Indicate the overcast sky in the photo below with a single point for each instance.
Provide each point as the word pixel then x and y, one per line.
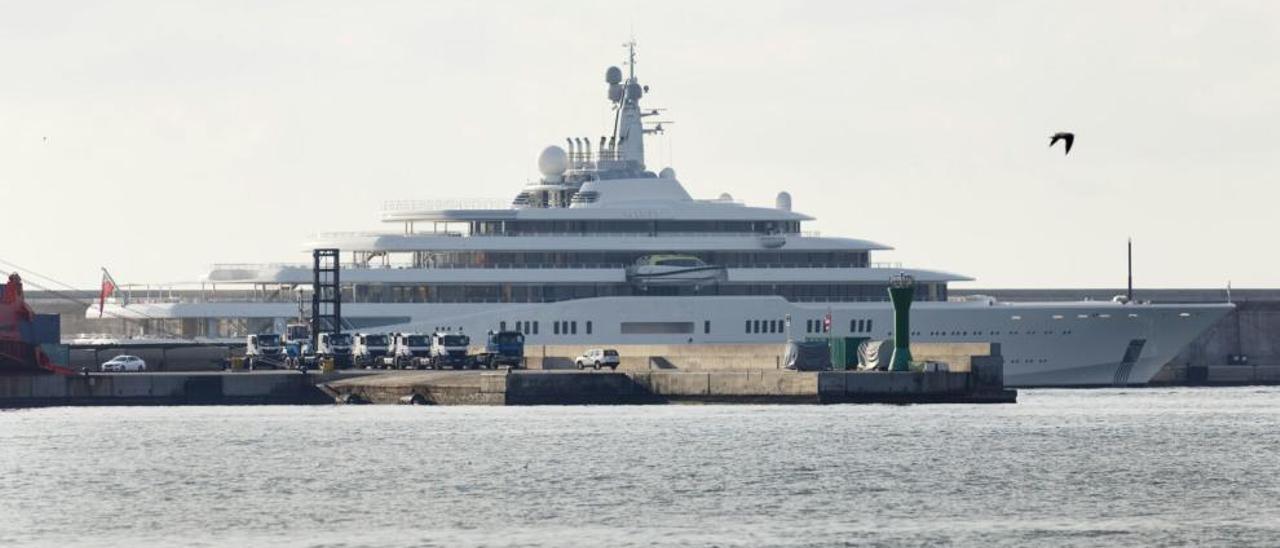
pixel 158 138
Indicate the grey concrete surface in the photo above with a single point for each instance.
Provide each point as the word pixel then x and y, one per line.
pixel 644 387
pixel 176 388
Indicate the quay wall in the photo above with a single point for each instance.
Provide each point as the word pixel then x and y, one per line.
pixel 274 388
pixel 664 386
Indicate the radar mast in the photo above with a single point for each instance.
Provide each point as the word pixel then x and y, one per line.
pixel 627 141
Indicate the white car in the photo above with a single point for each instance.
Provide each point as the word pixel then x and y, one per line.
pixel 123 363
pixel 597 358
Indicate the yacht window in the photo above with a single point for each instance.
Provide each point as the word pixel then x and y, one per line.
pixel 755 326
pixel 656 328
pixel 747 329
pixel 573 327
pixel 502 326
pixel 588 327
pixel 555 327
pixel 868 326
pixel 681 261
pixel 535 328
pixel 852 325
pixel 706 327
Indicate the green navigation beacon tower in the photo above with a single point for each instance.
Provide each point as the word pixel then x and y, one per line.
pixel 902 290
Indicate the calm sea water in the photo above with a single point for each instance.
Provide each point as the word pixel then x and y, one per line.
pixel 1093 467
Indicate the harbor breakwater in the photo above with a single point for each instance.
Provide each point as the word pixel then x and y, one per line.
pixel 650 387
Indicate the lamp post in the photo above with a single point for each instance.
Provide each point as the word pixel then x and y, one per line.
pixel 902 288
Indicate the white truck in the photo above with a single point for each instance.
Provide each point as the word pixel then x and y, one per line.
pixel 336 346
pixel 264 350
pixel 450 350
pixel 372 350
pixel 411 350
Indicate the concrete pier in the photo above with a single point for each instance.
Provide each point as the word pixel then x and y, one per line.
pixel 961 373
pixel 648 387
pixel 191 388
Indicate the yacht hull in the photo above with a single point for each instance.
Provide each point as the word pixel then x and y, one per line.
pixel 1043 344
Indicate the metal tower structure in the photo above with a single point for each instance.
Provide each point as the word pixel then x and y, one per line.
pixel 326 294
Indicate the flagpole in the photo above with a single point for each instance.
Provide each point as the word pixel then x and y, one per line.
pixel 830 325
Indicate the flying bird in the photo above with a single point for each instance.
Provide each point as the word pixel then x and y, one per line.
pixel 1064 136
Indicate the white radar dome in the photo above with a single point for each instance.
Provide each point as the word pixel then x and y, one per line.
pixel 553 161
pixel 667 173
pixel 783 201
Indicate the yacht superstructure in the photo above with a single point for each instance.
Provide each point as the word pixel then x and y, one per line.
pixel 603 250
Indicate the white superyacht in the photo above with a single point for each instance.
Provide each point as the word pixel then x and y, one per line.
pixel 602 250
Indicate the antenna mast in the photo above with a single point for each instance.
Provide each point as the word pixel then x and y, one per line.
pixel 1129 294
pixel 631 59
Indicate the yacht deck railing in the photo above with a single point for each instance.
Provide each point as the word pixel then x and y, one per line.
pixel 533 266
pixel 456 234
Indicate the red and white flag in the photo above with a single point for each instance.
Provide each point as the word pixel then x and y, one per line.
pixel 108 288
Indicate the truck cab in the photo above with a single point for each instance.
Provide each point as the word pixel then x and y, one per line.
pixel 411 350
pixel 264 349
pixel 503 348
pixel 450 350
pixel 336 346
pixel 297 343
pixel 372 350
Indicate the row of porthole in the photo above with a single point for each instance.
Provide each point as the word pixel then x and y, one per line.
pixel 558 327
pixel 1098 315
pixel 764 326
pixel 522 326
pixel 980 333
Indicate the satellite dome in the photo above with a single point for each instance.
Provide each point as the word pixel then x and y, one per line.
pixel 783 201
pixel 613 75
pixel 726 197
pixel 553 161
pixel 667 173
